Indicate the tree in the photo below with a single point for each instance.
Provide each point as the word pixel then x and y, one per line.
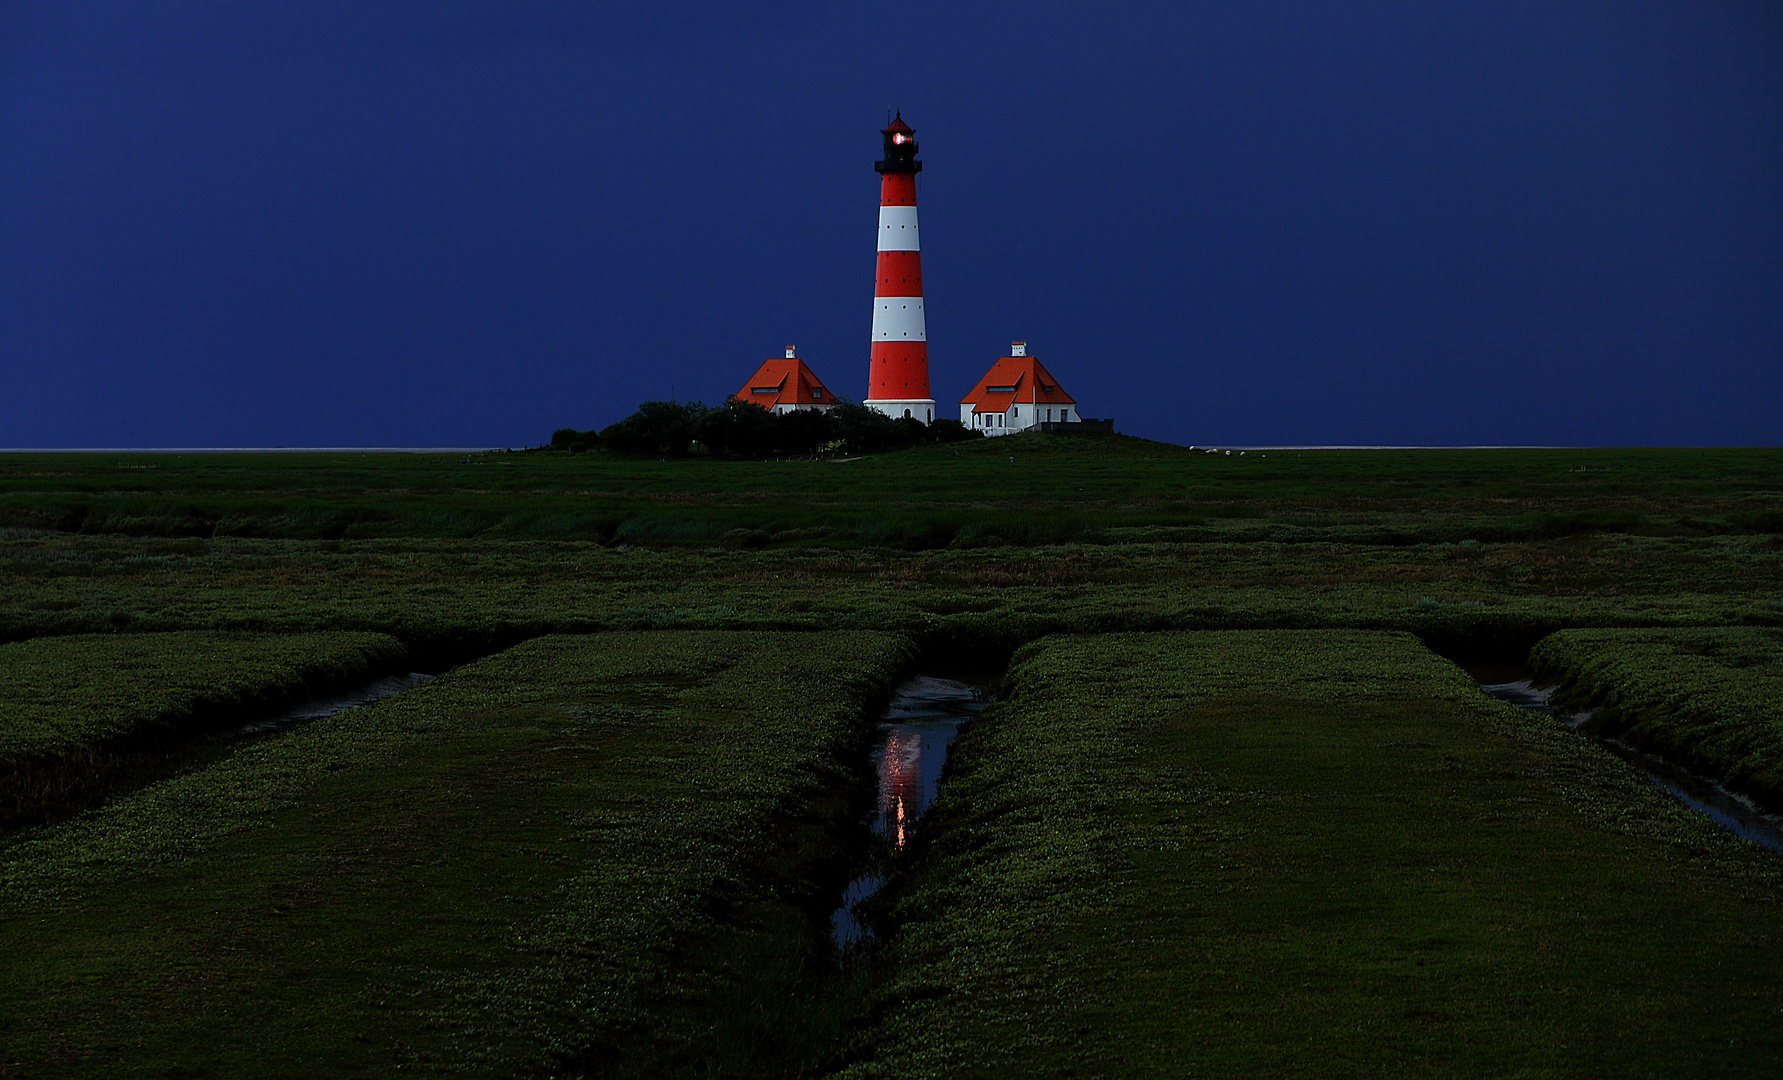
pixel 570 439
pixel 945 430
pixel 804 430
pixel 862 428
pixel 738 427
pixel 658 427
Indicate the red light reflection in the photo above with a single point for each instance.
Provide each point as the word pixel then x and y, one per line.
pixel 900 783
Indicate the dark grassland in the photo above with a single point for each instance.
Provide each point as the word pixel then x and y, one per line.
pixel 1301 844
pixel 80 711
pixel 1314 853
pixel 1711 699
pixel 1005 538
pixel 599 853
pixel 1026 489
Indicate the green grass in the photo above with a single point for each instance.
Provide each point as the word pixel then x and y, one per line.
pixel 463 595
pixel 1314 854
pixel 76 710
pixel 1709 698
pixel 456 555
pixel 579 854
pixel 574 856
pixel 1024 490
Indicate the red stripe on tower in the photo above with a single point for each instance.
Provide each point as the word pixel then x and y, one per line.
pixel 898 374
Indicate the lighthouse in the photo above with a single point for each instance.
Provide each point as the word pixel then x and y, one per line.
pixel 898 373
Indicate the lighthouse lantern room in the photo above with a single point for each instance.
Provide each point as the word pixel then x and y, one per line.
pixel 898 372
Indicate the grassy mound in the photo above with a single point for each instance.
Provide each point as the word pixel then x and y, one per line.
pixel 1313 854
pixel 76 710
pixel 1710 698
pixel 595 854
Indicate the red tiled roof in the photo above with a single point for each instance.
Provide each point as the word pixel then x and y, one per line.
pixel 784 380
pixel 1016 380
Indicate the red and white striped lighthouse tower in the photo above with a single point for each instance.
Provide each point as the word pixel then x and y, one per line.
pixel 898 376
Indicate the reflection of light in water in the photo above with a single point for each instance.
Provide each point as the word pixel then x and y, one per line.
pixel 917 726
pixel 900 781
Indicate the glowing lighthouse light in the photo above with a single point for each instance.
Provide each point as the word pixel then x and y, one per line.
pixel 898 372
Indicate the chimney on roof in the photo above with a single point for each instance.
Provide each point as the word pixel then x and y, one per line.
pixel 1018 348
pixel 791 353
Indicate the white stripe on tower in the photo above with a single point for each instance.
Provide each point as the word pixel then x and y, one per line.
pixel 898 318
pixel 897 229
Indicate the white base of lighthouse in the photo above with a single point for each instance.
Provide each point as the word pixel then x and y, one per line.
pixel 916 408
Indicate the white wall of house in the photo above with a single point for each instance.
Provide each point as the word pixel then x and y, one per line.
pixel 1020 417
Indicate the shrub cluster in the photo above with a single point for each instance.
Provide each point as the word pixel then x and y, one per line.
pixel 672 428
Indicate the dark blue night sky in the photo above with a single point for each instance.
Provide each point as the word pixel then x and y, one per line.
pixel 435 223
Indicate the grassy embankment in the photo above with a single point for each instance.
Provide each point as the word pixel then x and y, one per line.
pixel 612 853
pixel 1073 535
pixel 1024 490
pixel 1315 854
pixel 82 712
pixel 1710 699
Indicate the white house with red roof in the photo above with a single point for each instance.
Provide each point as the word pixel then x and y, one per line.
pixel 1015 394
pixel 784 384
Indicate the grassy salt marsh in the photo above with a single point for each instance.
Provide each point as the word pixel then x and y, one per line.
pixel 76 712
pixel 1711 699
pixel 1008 539
pixel 1176 850
pixel 1026 490
pixel 599 853
pixel 1314 854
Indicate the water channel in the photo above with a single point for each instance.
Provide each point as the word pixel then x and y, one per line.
pixel 1733 812
pixel 316 708
pixel 915 730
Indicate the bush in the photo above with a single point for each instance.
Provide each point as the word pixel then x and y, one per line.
pixel 947 431
pixel 743 427
pixel 740 427
pixel 658 427
pixel 860 428
pixel 569 438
